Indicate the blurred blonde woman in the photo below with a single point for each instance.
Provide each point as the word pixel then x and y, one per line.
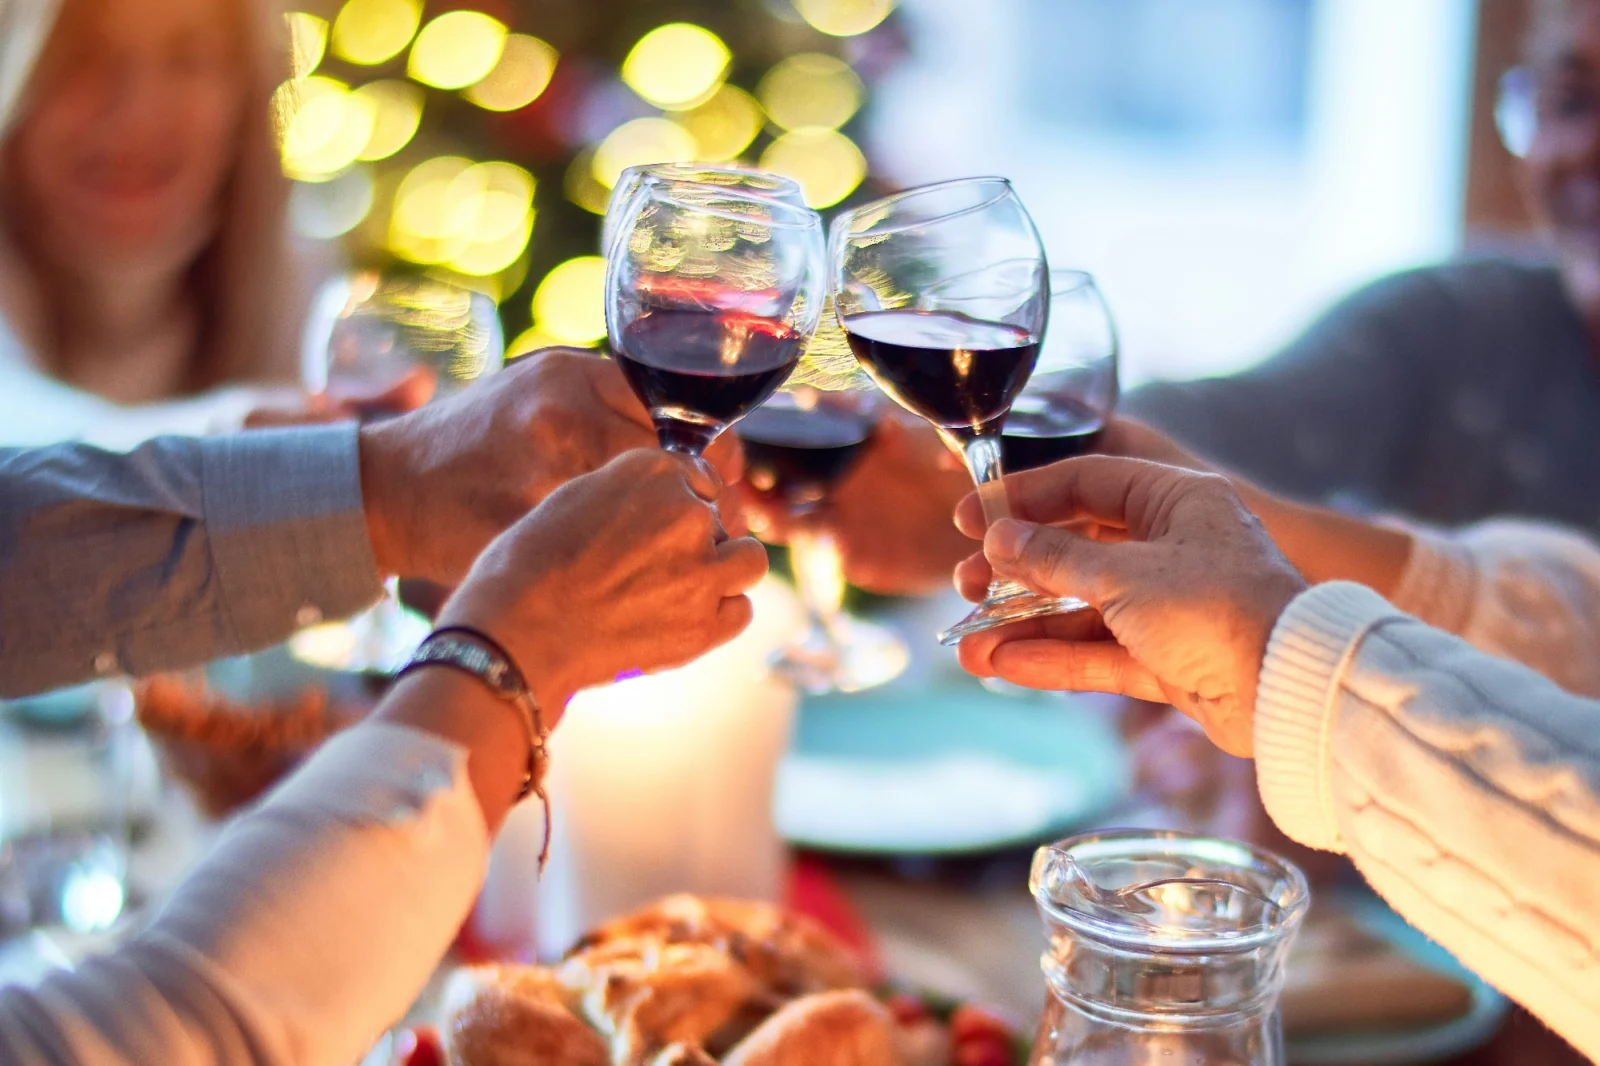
pixel 146 280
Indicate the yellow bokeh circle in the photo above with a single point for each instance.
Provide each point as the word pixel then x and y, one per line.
pixel 810 89
pixel 456 49
pixel 677 66
pixel 826 163
pixel 369 32
pixel 844 18
pixel 644 140
pixel 525 67
pixel 308 40
pixel 397 111
pixel 724 125
pixel 569 304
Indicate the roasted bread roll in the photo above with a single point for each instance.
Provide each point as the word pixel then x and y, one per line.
pixel 515 1017
pixel 847 1028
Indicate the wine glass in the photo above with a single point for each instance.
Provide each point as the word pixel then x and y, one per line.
pixel 711 294
pixel 1074 386
pixel 739 179
pixel 943 292
pixel 797 447
pixel 366 332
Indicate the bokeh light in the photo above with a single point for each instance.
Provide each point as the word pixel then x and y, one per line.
pixel 724 125
pixel 676 66
pixel 474 218
pixel 569 304
pixel 826 163
pixel 308 40
pixel 525 66
pixel 582 187
pixel 327 127
pixel 456 49
pixel 324 210
pixel 530 340
pixel 644 140
pixel 810 89
pixel 370 32
pixel 397 111
pixel 844 18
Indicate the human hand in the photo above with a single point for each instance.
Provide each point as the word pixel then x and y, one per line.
pixel 890 514
pixel 289 407
pixel 440 483
pixel 1183 605
pixel 627 568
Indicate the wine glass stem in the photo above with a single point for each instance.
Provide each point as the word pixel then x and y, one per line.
pixel 983 460
pixel 819 577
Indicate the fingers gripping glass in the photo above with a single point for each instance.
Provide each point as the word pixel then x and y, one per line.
pixel 943 292
pixel 711 295
pixel 366 332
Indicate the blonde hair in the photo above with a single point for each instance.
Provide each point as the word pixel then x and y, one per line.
pixel 247 289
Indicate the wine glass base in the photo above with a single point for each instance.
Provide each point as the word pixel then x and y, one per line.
pixel 991 614
pixel 856 656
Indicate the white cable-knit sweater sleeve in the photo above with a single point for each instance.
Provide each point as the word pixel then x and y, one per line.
pixel 1526 590
pixel 1465 787
pixel 308 931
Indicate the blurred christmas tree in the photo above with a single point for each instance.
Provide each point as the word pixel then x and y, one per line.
pixel 479 138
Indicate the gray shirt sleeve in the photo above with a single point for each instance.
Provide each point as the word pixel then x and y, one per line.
pixel 180 551
pixel 1330 415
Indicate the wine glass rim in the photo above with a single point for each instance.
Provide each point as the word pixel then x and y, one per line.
pixel 883 228
pixel 665 172
pixel 785 215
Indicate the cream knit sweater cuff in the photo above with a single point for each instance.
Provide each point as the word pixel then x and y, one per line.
pixel 1296 699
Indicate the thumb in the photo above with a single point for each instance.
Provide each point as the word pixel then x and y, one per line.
pixel 1047 559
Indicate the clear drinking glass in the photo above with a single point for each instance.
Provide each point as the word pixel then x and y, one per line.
pixel 711 295
pixel 943 292
pixel 739 179
pixel 366 332
pixel 797 447
pixel 1163 948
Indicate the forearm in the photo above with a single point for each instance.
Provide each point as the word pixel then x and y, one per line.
pixel 1466 789
pixel 176 553
pixel 311 928
pixel 1327 545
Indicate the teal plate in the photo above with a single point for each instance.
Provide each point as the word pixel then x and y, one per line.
pixel 945 772
pixel 1405 1047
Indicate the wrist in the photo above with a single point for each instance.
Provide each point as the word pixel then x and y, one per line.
pixel 461 709
pixel 543 673
pixel 382 476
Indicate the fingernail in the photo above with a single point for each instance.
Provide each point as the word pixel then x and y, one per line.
pixel 1006 540
pixel 711 480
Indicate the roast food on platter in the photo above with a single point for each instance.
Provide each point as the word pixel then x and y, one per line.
pixel 698 982
pixel 228 753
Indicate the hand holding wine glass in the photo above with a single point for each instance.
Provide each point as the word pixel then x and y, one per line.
pixel 711 295
pixel 943 292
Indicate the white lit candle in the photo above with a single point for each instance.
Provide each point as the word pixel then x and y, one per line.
pixel 663 784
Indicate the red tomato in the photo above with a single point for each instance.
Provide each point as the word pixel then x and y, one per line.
pixel 419 1046
pixel 967 1022
pixel 906 1008
pixel 986 1050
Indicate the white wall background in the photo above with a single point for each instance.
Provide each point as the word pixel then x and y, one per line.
pixel 1210 258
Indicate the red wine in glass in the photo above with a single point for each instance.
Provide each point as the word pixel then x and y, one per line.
pixel 794 456
pixel 959 373
pixel 1040 436
pixel 699 370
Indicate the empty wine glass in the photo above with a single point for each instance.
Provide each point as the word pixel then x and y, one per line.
pixel 943 292
pixel 738 179
pixel 366 332
pixel 711 295
pixel 797 447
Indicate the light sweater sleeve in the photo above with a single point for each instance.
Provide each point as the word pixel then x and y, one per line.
pixel 1466 789
pixel 1523 590
pixel 309 930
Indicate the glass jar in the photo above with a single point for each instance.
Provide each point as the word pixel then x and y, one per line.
pixel 1164 948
